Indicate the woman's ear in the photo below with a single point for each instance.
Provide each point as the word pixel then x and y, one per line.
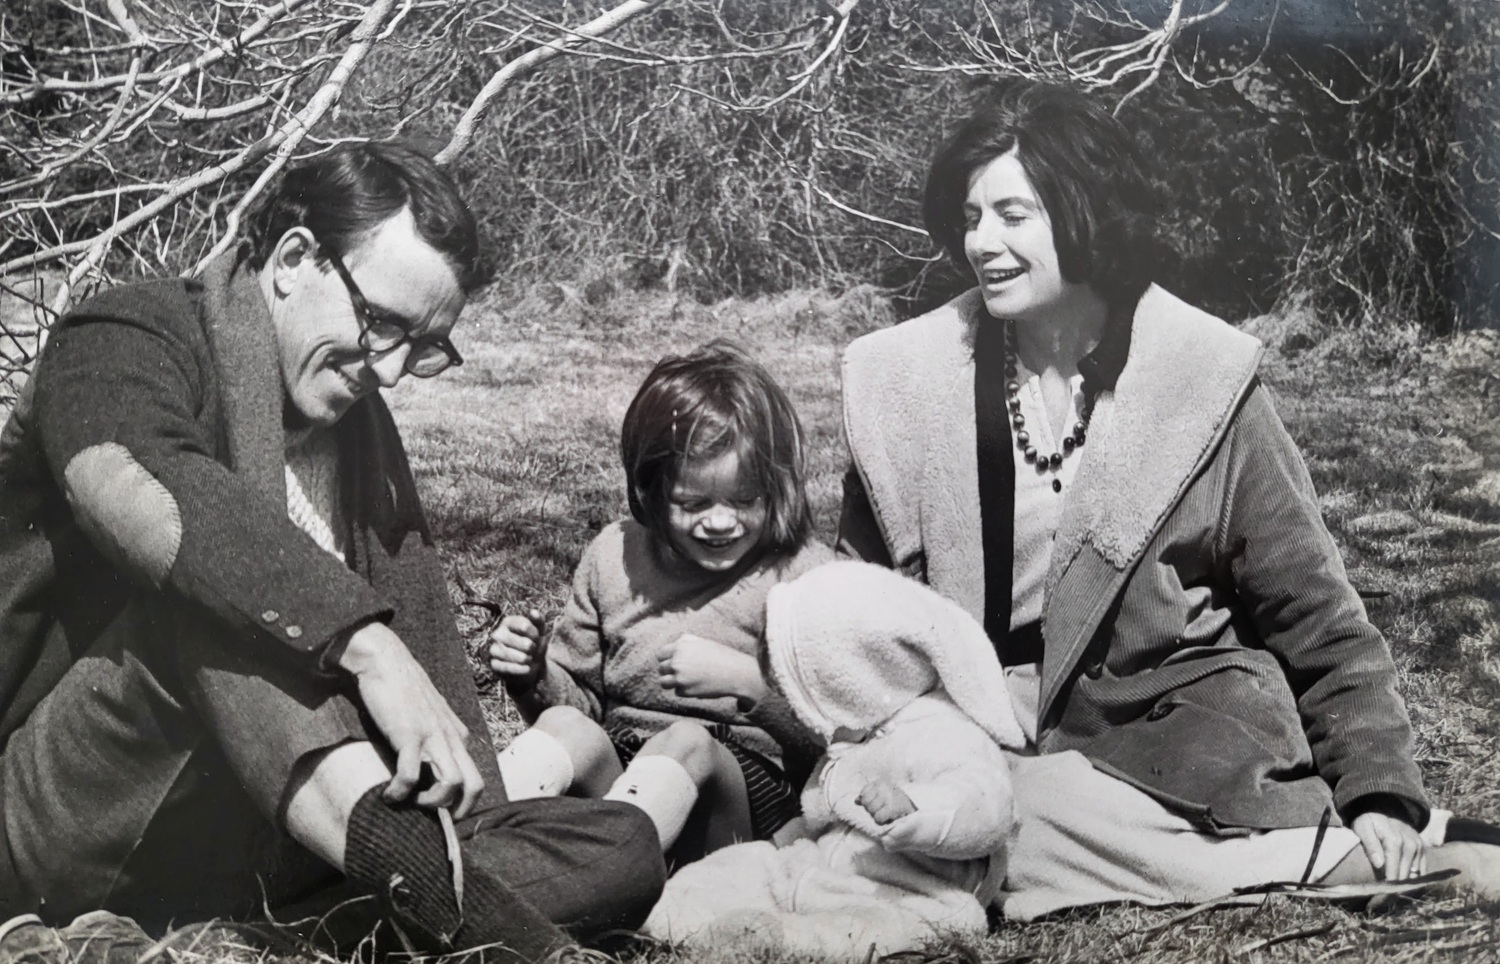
pixel 292 253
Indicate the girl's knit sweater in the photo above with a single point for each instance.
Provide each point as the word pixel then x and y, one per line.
pixel 630 598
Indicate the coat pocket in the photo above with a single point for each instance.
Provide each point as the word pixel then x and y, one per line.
pixel 1214 733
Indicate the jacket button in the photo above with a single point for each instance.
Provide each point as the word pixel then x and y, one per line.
pixel 270 615
pixel 294 632
pixel 1094 670
pixel 1159 711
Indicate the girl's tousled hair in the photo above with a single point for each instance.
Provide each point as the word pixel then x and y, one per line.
pixel 712 400
pixel 1086 168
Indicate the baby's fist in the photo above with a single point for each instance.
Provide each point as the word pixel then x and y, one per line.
pixel 885 803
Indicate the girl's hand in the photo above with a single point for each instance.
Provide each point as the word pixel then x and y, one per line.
pixel 518 650
pixel 694 666
pixel 1393 847
pixel 885 803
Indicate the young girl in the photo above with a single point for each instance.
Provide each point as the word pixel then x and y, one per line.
pixel 647 687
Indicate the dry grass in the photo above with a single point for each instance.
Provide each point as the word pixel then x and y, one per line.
pixel 515 454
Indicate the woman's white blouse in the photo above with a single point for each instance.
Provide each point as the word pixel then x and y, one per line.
pixel 1038 507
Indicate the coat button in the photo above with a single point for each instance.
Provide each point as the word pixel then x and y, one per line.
pixel 294 632
pixel 1094 670
pixel 1159 711
pixel 270 615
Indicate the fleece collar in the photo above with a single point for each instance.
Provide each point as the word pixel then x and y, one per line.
pixel 909 419
pixel 1186 375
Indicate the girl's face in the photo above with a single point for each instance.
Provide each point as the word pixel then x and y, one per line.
pixel 1009 243
pixel 715 517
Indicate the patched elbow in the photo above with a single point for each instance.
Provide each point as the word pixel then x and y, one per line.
pixel 128 514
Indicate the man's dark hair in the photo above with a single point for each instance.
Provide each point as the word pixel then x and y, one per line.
pixel 342 196
pixel 1086 168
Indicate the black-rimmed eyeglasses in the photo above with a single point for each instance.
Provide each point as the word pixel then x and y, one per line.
pixel 379 333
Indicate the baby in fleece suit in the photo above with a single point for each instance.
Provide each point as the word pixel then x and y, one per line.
pixel 906 818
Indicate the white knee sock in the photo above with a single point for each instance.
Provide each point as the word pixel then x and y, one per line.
pixel 535 764
pixel 662 788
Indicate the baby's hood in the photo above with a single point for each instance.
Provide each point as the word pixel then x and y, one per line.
pixel 850 643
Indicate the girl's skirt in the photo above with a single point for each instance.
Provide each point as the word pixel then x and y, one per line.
pixel 773 798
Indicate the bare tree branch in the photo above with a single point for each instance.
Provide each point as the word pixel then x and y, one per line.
pixel 463 131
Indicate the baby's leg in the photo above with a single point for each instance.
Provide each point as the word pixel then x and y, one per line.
pixel 677 768
pixel 563 751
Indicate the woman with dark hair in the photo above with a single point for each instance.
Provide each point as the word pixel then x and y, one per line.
pixel 1093 470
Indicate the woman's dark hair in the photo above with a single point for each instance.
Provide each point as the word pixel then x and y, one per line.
pixel 1084 165
pixel 713 400
pixel 345 194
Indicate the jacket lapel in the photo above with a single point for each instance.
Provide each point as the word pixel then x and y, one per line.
pixel 244 346
pixel 1186 374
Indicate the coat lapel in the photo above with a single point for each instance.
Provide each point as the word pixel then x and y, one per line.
pixel 244 346
pixel 1186 374
pixel 949 516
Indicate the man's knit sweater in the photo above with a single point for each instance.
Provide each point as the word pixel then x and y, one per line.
pixel 630 598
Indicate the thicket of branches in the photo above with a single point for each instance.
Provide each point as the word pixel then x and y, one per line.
pixel 1341 151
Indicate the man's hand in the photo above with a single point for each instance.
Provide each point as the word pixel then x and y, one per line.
pixel 414 718
pixel 1393 847
pixel 886 803
pixel 518 650
pixel 694 666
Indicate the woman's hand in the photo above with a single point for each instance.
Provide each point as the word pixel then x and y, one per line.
pixel 885 803
pixel 518 650
pixel 1393 847
pixel 694 666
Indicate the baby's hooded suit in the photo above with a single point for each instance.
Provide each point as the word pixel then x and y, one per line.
pixel 905 688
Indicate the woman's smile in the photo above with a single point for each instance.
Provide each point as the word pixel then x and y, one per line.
pixel 1009 243
pixel 994 277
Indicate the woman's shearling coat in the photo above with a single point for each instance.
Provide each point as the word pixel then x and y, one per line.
pixel 1202 641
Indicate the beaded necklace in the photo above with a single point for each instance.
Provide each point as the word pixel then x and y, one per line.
pixel 1071 441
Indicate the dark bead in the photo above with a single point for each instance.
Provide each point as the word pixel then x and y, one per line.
pixel 1068 443
pixel 1010 371
pixel 1056 459
pixel 1018 420
pixel 1015 405
pixel 1078 439
pixel 1023 437
pixel 1012 387
pixel 1079 427
pixel 1057 485
pixel 1031 453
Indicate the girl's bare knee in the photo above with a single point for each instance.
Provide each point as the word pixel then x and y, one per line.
pixel 564 722
pixel 689 744
pixel 587 744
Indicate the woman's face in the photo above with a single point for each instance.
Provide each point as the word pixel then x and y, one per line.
pixel 1008 240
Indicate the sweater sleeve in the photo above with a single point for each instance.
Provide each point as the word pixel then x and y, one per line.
pixel 575 649
pixel 1289 576
pixel 118 415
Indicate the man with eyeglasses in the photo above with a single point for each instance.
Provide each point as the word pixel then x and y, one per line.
pixel 230 679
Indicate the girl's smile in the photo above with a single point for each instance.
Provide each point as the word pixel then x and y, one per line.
pixel 715 519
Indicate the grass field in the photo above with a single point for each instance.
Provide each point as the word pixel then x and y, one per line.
pixel 515 453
